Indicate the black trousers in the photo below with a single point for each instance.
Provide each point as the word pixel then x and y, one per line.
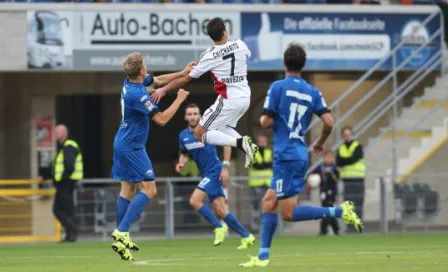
pixel 328 201
pixel 64 208
pixel 354 191
pixel 257 194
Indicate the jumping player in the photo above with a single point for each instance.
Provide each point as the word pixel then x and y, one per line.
pixel 289 106
pixel 226 61
pixel 131 164
pixel 214 174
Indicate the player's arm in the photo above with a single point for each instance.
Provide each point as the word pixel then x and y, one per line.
pixel 269 108
pixel 327 120
pixel 204 65
pixel 163 80
pixel 224 176
pixel 266 120
pixel 162 118
pixel 321 110
pixel 183 158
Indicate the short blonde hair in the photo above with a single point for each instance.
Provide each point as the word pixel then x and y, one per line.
pixel 132 64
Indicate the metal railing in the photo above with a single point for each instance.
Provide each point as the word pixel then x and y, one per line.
pixel 398 90
pixel 170 215
pixel 417 124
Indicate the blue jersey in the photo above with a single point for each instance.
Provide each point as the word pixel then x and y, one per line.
pixel 292 102
pixel 204 155
pixel 136 110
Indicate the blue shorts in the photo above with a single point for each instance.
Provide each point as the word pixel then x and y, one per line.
pixel 288 180
pixel 132 166
pixel 212 186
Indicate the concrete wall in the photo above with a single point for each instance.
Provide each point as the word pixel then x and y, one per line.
pixel 13 36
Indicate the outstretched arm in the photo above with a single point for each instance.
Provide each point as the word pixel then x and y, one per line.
pixel 173 85
pixel 162 118
pixel 163 80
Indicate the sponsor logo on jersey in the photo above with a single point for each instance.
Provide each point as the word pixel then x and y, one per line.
pixel 194 145
pixel 143 98
pixel 149 105
pixel 233 79
pixel 298 95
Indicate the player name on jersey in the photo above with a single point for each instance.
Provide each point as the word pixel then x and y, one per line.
pixel 226 50
pixel 233 79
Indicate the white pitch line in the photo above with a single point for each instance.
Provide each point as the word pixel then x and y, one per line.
pixel 172 261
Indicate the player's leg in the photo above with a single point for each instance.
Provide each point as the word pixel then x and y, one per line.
pixel 292 184
pixel 127 192
pixel 206 188
pixel 138 170
pixel 213 127
pixel 269 221
pixel 197 202
pixel 219 206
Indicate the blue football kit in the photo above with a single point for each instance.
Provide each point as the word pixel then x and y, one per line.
pixel 131 162
pixel 291 102
pixel 206 158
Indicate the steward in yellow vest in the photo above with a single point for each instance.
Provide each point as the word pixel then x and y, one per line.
pixel 67 169
pixel 261 168
pixel 68 163
pixel 350 160
pixel 352 168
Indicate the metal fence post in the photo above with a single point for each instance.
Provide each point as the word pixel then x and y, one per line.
pixel 169 210
pixel 383 207
pixel 395 116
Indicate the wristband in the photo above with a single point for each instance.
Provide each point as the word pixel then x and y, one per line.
pixel 225 164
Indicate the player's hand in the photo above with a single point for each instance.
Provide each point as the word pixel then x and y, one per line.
pixel 179 167
pixel 224 176
pixel 182 94
pixel 189 67
pixel 317 148
pixel 158 94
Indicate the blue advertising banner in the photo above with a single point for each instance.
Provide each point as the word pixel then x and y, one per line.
pixel 338 41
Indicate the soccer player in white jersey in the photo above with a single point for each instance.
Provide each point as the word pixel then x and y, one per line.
pixel 226 61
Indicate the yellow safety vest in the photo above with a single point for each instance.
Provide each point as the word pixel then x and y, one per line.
pixel 265 158
pixel 356 170
pixel 78 173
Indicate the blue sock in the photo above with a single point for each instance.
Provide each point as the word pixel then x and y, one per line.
pixel 136 207
pixel 236 225
pixel 207 213
pixel 268 225
pixel 122 207
pixel 305 213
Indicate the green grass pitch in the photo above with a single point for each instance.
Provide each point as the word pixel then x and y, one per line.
pixel 363 253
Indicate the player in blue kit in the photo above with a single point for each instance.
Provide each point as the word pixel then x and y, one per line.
pixel 289 106
pixel 214 174
pixel 131 164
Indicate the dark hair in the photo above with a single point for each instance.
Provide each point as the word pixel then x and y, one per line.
pixel 294 57
pixel 192 106
pixel 216 28
pixel 347 128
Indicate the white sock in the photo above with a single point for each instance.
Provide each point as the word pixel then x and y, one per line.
pixel 231 132
pixel 216 137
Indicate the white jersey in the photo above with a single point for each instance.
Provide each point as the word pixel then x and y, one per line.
pixel 227 64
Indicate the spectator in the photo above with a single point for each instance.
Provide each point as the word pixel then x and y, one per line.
pixel 350 160
pixel 329 176
pixel 258 186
